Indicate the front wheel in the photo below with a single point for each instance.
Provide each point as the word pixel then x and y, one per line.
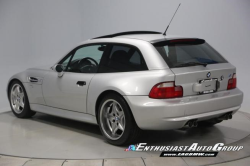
pixel 19 101
pixel 116 121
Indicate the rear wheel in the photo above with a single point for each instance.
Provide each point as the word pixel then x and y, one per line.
pixel 116 121
pixel 19 101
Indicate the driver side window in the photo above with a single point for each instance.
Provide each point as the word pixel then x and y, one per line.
pixel 86 59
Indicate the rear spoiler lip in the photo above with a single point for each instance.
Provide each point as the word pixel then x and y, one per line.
pixel 169 39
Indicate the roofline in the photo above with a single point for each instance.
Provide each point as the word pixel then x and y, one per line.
pixel 127 33
pixel 174 38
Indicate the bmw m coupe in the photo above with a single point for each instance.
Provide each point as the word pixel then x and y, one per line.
pixel 132 81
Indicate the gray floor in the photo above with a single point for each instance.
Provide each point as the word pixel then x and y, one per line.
pixel 58 141
pixel 14 161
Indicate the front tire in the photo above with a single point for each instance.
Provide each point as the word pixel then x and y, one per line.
pixel 116 121
pixel 19 102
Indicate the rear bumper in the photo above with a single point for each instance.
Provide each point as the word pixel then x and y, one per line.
pixel 164 114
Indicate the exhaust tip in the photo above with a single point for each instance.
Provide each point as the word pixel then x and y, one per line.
pixel 190 124
pixel 226 117
pixel 195 123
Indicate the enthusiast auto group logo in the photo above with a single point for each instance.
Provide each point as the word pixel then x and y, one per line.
pixel 193 150
pixel 131 148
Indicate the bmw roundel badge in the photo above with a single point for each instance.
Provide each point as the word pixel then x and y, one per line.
pixel 208 75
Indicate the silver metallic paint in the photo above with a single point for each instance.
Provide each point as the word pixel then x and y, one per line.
pixel 153 114
pixel 187 76
pixel 61 96
pixel 78 116
pixel 127 84
pixel 63 92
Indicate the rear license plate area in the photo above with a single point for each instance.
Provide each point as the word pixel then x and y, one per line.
pixel 208 85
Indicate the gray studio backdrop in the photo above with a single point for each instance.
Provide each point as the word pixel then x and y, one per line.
pixel 35 33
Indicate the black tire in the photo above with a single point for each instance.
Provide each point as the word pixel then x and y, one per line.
pixel 26 112
pixel 131 132
pixel 209 123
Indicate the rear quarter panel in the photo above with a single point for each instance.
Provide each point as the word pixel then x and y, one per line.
pixel 127 84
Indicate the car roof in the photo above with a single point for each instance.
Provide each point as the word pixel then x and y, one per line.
pixel 150 36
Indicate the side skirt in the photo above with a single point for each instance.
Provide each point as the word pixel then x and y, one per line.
pixel 78 116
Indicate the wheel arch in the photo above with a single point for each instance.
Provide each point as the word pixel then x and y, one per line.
pixel 9 84
pixel 102 95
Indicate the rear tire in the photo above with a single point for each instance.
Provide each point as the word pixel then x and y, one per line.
pixel 116 121
pixel 19 102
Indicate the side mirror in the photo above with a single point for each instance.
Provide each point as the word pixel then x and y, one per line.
pixel 59 70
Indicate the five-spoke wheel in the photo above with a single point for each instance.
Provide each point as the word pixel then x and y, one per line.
pixel 116 121
pixel 112 119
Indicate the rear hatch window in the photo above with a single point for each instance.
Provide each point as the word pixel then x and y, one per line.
pixel 188 52
pixel 197 67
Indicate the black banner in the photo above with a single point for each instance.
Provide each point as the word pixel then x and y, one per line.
pixel 188 154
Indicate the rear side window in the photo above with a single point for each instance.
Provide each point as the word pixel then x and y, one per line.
pixel 122 58
pixel 188 51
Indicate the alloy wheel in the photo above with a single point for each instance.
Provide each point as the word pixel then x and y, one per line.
pixel 112 119
pixel 17 98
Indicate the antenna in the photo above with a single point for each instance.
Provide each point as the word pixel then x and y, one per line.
pixel 171 20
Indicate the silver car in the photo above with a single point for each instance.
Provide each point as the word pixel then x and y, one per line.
pixel 132 81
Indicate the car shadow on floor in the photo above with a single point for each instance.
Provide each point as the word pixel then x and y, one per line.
pixel 68 124
pixel 202 135
pixel 185 136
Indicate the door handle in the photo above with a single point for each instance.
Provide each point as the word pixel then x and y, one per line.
pixel 81 83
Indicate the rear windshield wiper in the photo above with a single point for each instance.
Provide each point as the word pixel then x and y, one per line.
pixel 190 64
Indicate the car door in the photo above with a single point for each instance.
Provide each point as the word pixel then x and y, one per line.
pixel 70 91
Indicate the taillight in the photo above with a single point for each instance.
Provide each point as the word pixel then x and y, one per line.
pixel 166 90
pixel 232 82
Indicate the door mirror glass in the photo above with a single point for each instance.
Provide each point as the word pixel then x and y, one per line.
pixel 59 70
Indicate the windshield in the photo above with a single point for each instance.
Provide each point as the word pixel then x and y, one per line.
pixel 188 52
